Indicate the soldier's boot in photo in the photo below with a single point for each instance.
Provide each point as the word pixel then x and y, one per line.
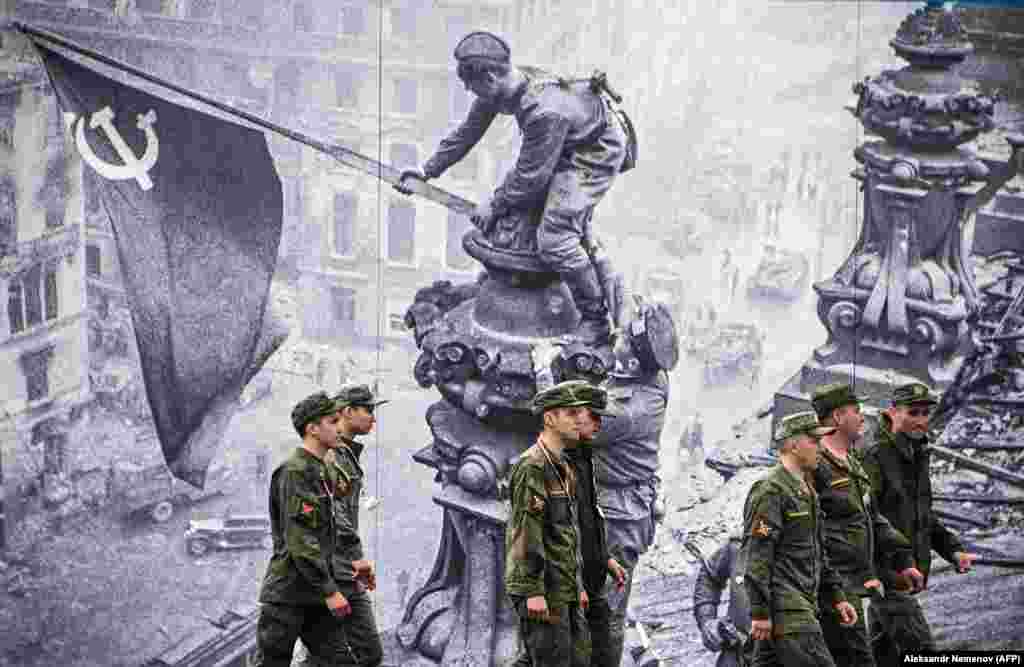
pixel 589 298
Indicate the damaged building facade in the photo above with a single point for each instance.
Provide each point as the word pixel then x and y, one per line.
pixel 379 80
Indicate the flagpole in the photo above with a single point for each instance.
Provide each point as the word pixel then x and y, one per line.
pixel 344 155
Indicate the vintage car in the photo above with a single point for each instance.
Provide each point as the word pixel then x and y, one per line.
pixel 736 350
pixel 233 531
pixel 782 275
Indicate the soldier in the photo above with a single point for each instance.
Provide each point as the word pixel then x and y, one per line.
pixel 573 147
pixel 597 561
pixel 787 564
pixel 309 592
pixel 543 569
pixel 729 635
pixel 898 466
pixel 626 449
pixel 856 534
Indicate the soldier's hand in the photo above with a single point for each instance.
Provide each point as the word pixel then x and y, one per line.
pixel 915 577
pixel 872 585
pixel 363 572
pixel 964 561
pixel 710 637
pixel 339 605
pixel 401 185
pixel 761 629
pixel 847 614
pixel 618 572
pixel 536 608
pixel 584 601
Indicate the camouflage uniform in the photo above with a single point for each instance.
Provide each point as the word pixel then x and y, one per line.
pixel 542 549
pixel 856 535
pixel 787 563
pixel 899 472
pixel 309 501
pixel 725 570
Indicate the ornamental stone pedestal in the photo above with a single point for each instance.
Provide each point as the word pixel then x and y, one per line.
pixel 475 341
pixel 898 308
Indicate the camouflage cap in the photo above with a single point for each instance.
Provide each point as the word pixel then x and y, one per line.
pixel 799 423
pixel 828 397
pixel 481 46
pixel 312 408
pixel 571 394
pixel 913 392
pixel 357 394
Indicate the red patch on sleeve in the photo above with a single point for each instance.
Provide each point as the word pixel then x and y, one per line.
pixel 306 508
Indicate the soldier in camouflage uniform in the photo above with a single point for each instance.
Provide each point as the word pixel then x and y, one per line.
pixel 307 592
pixel 856 534
pixel 598 563
pixel 898 466
pixel 786 560
pixel 543 557
pixel 573 148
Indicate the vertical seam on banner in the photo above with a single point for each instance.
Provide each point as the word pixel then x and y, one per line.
pixel 381 251
pixel 858 197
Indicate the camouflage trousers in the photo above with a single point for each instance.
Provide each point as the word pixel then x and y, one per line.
pixel 898 626
pixel 564 642
pixel 801 649
pixel 328 640
pixel 849 645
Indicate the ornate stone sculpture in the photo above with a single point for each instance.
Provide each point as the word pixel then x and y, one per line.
pixel 901 301
pixel 475 344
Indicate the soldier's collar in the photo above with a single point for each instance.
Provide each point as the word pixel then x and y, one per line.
pixel 353 445
pixel 792 480
pixel 833 459
pixel 901 443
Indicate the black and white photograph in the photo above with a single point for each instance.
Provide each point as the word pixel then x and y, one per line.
pixel 472 333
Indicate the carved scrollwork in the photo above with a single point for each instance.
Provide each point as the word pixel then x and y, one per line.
pixel 843 315
pixel 927 331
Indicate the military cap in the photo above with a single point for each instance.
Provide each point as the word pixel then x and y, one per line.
pixel 799 423
pixel 913 392
pixel 571 394
pixel 357 395
pixel 483 47
pixel 312 408
pixel 828 397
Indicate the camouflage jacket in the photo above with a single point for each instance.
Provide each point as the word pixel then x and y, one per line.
pixel 347 545
pixel 899 472
pixel 301 521
pixel 542 553
pixel 786 559
pixel 856 534
pixel 727 566
pixel 554 121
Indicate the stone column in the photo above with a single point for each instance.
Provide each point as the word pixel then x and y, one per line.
pixel 898 308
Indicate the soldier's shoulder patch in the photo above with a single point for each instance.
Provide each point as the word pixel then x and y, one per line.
pixel 761 528
pixel 536 505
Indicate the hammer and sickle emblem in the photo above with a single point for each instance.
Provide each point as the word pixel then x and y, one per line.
pixel 132 167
